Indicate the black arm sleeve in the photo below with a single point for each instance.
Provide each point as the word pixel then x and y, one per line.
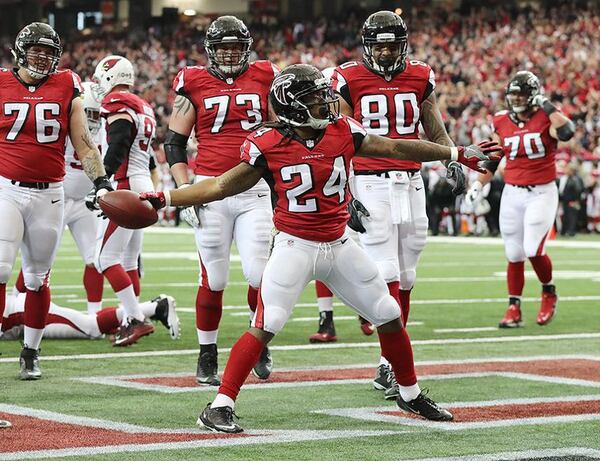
pixel 152 163
pixel 491 165
pixel 566 131
pixel 176 148
pixel 121 134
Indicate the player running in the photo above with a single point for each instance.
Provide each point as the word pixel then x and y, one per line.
pixel 40 106
pixel 305 156
pixel 222 103
pixel 529 131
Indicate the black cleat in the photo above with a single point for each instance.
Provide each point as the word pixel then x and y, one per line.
pixel 165 314
pixel 425 407
pixel 393 392
pixel 206 373
pixel 219 419
pixel 30 365
pixel 384 378
pixel 264 366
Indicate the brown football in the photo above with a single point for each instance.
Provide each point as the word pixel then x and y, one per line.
pixel 125 209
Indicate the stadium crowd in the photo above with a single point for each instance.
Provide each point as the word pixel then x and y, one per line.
pixel 472 54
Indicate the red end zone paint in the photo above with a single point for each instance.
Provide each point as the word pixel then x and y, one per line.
pixel 563 368
pixel 502 412
pixel 30 433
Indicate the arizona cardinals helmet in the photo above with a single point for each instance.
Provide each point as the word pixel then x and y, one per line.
pixel 111 71
pixel 91 105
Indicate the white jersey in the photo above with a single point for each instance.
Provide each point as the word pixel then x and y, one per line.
pixel 137 160
pixel 77 184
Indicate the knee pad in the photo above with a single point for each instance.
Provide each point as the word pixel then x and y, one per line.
pixel 386 310
pixel 217 273
pixel 275 318
pixel 514 253
pixel 407 279
pixel 389 269
pixel 34 282
pixel 416 241
pixel 5 272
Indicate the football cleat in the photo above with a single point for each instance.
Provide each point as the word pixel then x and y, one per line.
pixel 219 419
pixel 384 378
pixel 206 372
pixel 131 333
pixel 366 327
pixel 512 317
pixel 425 407
pixel 393 392
pixel 264 366
pixel 30 365
pixel 165 313
pixel 4 424
pixel 326 332
pixel 548 307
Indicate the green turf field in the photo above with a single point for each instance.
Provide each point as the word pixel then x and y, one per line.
pixel 534 389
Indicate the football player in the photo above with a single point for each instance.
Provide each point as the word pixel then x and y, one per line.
pixel 222 103
pixel 306 156
pixel 40 107
pixel 131 127
pixel 529 131
pixel 391 95
pixel 65 323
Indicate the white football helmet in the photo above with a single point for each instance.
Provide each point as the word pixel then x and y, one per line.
pixel 111 71
pixel 91 106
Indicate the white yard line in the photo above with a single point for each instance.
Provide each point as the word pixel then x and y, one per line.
pixel 463 330
pixel 584 453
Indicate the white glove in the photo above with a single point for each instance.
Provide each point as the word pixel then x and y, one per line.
pixel 189 214
pixel 473 193
pixel 538 100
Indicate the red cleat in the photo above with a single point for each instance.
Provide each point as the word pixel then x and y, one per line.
pixel 325 337
pixel 548 307
pixel 512 317
pixel 366 327
pixel 132 332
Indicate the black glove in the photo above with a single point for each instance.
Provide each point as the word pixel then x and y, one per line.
pixel 456 176
pixel 102 185
pixel 357 210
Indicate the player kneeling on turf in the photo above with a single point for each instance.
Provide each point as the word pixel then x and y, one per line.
pixel 306 157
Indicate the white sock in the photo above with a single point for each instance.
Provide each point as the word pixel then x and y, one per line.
pixel 383 361
pixel 222 400
pixel 120 313
pixel 93 307
pixel 148 308
pixel 207 337
pixel 32 337
pixel 325 304
pixel 130 304
pixel 409 393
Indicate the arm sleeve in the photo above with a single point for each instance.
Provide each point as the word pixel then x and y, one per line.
pixel 121 134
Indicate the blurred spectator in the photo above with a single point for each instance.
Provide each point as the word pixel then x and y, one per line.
pixel 570 190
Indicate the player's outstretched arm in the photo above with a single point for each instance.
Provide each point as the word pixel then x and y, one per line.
pixel 425 151
pixel 235 181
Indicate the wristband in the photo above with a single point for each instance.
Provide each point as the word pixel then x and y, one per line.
pixel 454 154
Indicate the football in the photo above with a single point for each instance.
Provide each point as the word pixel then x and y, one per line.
pixel 125 209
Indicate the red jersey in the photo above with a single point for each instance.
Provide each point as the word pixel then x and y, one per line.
pixel 138 158
pixel 34 123
pixel 226 112
pixel 391 109
pixel 307 179
pixel 529 149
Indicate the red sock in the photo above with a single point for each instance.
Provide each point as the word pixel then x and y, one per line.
pixel 117 277
pixel 322 290
pixel 405 304
pixel 394 289
pixel 542 265
pixel 134 276
pixel 37 305
pixel 209 307
pixel 93 282
pixel 515 277
pixel 20 283
pixel 244 355
pixel 252 298
pixel 2 299
pixel 396 348
pixel 107 320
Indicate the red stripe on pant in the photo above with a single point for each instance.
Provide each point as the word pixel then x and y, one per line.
pixel 259 317
pixel 322 290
